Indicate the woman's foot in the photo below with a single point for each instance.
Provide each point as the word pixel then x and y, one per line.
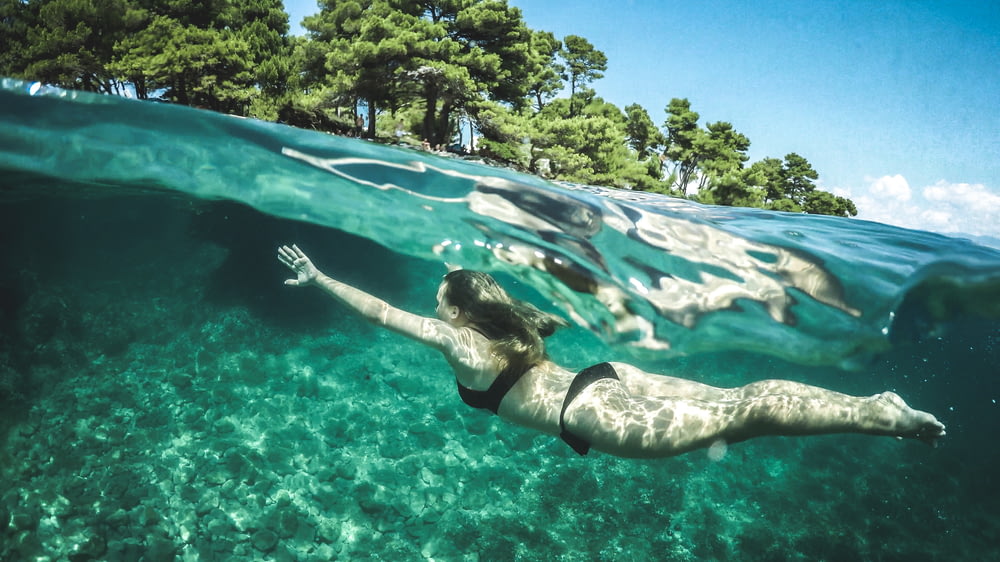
pixel 894 417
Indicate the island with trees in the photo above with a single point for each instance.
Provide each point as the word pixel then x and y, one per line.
pixel 432 72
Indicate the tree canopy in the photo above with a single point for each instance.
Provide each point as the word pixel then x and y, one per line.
pixel 421 67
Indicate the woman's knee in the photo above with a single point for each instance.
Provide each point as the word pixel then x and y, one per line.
pixel 760 388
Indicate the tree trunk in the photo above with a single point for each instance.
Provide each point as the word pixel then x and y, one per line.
pixel 572 95
pixel 442 130
pixel 430 113
pixel 371 120
pixel 140 88
pixel 180 91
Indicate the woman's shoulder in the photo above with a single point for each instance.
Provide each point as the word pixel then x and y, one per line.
pixel 471 351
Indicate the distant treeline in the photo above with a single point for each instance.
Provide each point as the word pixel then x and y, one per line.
pixel 420 68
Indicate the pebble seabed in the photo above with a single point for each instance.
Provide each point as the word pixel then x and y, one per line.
pixel 155 423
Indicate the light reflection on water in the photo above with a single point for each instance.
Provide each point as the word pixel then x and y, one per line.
pixel 652 273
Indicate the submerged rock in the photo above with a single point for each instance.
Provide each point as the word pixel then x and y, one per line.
pixel 264 540
pixel 159 549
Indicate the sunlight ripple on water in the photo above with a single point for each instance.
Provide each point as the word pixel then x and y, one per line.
pixel 652 273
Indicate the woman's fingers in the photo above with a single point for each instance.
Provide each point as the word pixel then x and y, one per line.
pixel 291 253
pixel 287 256
pixel 297 261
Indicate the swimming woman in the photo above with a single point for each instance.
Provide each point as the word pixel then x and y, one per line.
pixel 495 345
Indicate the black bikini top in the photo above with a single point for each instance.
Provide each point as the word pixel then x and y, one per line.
pixel 490 398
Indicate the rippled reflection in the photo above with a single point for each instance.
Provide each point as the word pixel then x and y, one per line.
pixel 681 268
pixel 643 270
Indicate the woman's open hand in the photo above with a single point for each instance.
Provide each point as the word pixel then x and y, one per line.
pixel 306 273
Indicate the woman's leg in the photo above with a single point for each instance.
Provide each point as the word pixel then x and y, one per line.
pixel 618 422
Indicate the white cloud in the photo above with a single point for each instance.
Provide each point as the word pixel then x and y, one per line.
pixel 963 193
pixel 936 221
pixel 895 187
pixel 948 208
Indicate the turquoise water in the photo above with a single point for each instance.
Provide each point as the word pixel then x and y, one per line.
pixel 165 396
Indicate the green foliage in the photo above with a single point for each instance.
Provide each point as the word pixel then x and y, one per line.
pixel 797 177
pixel 723 152
pixel 710 163
pixel 641 133
pixel 67 43
pixel 733 190
pixel 767 174
pixel 788 186
pixel 544 73
pixel 504 152
pixel 581 148
pixel 222 54
pixel 442 55
pixel 208 68
pixel 483 55
pixel 15 19
pixel 364 51
pixel 584 64
pixel 825 203
pixel 683 138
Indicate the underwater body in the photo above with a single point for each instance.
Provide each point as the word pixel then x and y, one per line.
pixel 165 396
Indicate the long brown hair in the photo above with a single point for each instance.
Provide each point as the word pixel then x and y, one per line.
pixel 516 328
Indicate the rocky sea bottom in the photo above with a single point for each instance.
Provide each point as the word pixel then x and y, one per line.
pixel 166 406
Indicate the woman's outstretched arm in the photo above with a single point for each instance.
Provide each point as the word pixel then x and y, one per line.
pixel 429 331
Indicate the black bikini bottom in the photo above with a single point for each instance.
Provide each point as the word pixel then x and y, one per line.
pixel 582 380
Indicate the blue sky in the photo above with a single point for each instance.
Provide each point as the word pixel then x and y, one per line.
pixel 896 103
